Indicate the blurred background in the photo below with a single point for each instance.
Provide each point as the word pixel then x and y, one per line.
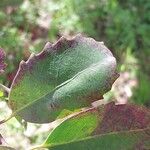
pixel 124 27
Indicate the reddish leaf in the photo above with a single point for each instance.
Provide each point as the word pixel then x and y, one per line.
pixel 116 127
pixel 123 118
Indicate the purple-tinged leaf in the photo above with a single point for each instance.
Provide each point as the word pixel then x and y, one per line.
pixel 69 74
pixel 107 127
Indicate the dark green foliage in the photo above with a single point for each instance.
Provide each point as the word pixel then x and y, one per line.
pixel 69 74
pixel 124 28
pixel 120 24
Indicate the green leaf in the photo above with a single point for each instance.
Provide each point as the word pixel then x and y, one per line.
pixel 107 127
pixel 127 140
pixel 69 74
pixel 74 127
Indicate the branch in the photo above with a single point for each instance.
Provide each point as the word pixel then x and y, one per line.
pixel 6 89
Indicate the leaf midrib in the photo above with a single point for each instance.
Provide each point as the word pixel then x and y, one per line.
pixel 61 85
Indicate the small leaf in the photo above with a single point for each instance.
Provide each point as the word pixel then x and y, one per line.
pixel 116 126
pixel 69 74
pixel 2 64
pixel 1 94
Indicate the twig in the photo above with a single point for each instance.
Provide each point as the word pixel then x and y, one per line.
pixel 5 88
